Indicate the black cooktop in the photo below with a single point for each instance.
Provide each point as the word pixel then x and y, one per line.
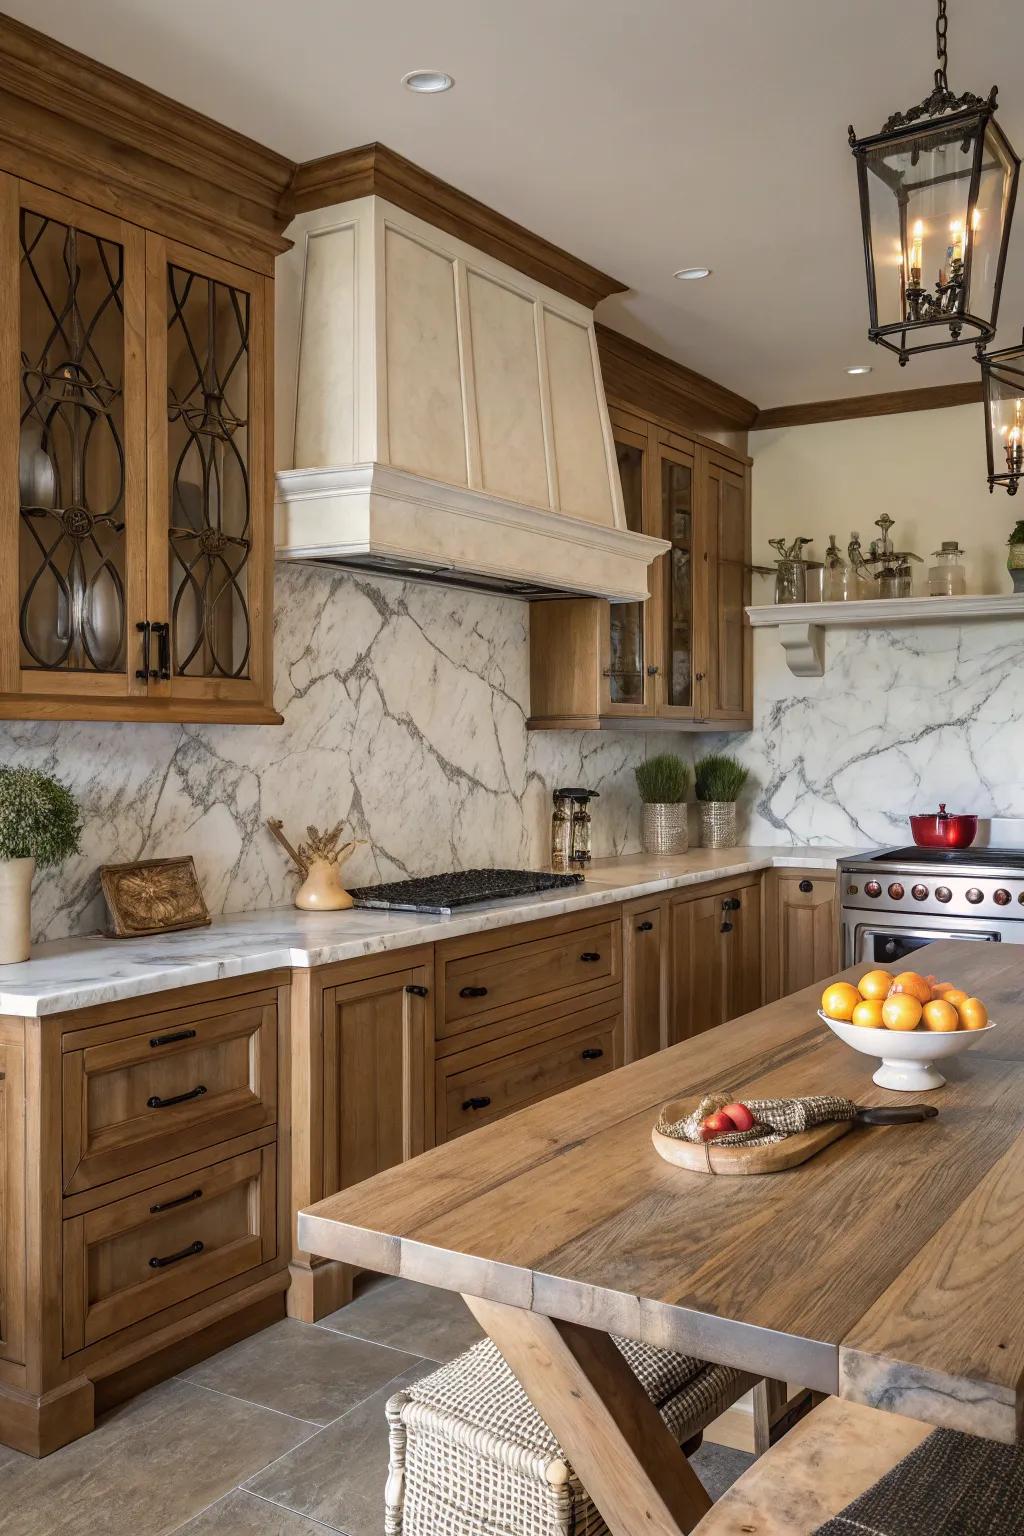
pixel 1004 857
pixel 461 888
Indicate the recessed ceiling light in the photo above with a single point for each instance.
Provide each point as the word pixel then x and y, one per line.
pixel 860 368
pixel 688 274
pixel 428 81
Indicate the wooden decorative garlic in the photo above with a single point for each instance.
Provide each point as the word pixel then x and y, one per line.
pixel 318 860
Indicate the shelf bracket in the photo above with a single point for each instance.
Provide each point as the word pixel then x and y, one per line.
pixel 804 645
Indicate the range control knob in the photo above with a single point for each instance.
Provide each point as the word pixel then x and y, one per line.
pixel 896 891
pixel 974 895
pixel 943 893
pixel 872 888
pixel 919 892
pixel 1001 897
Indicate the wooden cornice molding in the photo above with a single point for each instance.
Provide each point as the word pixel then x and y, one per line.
pixel 638 377
pixel 936 397
pixel 375 169
pixel 75 125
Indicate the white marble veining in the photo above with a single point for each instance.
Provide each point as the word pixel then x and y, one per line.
pixel 80 973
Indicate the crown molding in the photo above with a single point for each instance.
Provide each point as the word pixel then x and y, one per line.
pixel 72 124
pixel 934 398
pixel 375 170
pixel 647 381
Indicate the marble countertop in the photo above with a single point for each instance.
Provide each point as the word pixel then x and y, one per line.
pixel 83 972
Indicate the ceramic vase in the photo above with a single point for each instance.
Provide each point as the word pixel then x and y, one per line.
pixel 717 823
pixel 1015 565
pixel 15 909
pixel 322 891
pixel 664 828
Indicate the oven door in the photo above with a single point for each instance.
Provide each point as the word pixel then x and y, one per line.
pixel 877 944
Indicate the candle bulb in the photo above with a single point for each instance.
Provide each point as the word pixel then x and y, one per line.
pixel 916 254
pixel 956 249
pixel 1015 441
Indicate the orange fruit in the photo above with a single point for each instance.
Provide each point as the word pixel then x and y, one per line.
pixel 940 988
pixel 839 1000
pixel 940 1016
pixel 955 995
pixel 901 1011
pixel 914 985
pixel 875 984
pixel 868 1014
pixel 973 1013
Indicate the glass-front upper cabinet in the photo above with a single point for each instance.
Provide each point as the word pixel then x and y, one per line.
pixel 676 596
pixel 628 677
pixel 727 535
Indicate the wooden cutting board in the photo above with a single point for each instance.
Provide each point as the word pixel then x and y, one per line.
pixel 708 1157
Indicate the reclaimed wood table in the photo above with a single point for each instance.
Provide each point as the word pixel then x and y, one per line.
pixel 887 1270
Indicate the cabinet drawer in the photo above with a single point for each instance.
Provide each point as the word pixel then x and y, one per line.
pixel 129 1259
pixel 543 969
pixel 474 1088
pixel 163 1084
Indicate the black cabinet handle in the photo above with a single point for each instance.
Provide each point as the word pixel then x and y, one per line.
pixel 592 1053
pixel 806 886
pixel 653 671
pixel 169 1205
pixel 173 1258
pixel 731 904
pixel 726 928
pixel 473 992
pixel 179 1098
pixel 416 991
pixel 590 956
pixel 644 927
pixel 179 1034
pixel 145 672
pixel 480 1102
pixel 163 641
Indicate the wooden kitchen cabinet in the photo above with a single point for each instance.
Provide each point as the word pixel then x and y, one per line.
pixel 801 929
pixel 684 658
pixel 714 956
pixel 645 977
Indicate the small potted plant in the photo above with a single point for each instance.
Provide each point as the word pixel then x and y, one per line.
pixel 1015 559
pixel 718 780
pixel 664 782
pixel 39 826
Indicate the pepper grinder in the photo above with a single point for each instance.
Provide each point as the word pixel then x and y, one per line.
pixel 580 841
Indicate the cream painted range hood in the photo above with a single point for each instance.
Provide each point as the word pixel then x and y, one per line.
pixel 443 415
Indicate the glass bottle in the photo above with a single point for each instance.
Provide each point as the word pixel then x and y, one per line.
pixel 862 581
pixel 947 577
pixel 838 576
pixel 790 581
pixel 561 833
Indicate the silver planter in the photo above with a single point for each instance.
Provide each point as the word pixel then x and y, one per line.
pixel 665 828
pixel 717 823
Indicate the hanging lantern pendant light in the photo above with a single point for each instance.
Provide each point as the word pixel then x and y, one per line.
pixel 937 189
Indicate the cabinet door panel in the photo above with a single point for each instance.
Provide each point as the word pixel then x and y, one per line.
pixel 726 520
pixel 72 586
pixel 678 615
pixel 643 936
pixel 374 1086
pixel 802 931
pixel 207 335
pixel 696 977
pixel 628 685
pixel 743 989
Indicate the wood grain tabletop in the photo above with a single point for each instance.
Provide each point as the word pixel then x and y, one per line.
pixel 886 1270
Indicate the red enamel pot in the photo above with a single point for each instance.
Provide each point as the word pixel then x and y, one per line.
pixel 944 830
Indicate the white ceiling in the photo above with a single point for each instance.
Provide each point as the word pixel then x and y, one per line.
pixel 642 138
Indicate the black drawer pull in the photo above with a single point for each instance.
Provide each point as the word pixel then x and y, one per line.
pixel 169 1205
pixel 806 886
pixel 179 1098
pixel 416 991
pixel 181 1034
pixel 726 928
pixel 473 992
pixel 731 904
pixel 592 1053
pixel 590 956
pixel 476 1103
pixel 163 636
pixel 172 1258
pixel 644 927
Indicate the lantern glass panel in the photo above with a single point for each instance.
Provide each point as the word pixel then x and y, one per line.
pixel 989 219
pixel 1005 401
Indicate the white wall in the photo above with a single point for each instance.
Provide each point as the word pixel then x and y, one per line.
pixel 925 468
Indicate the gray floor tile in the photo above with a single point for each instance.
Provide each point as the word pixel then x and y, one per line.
pixel 243 1514
pixel 436 1325
pixel 338 1476
pixel 151 1464
pixel 718 1466
pixel 300 1369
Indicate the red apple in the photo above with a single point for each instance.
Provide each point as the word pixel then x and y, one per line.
pixel 740 1116
pixel 718 1124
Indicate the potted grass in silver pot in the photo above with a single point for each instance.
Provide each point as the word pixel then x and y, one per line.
pixel 718 780
pixel 664 782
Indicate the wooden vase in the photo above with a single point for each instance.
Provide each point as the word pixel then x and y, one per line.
pixel 322 891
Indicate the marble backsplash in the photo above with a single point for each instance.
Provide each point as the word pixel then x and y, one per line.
pixel 404 712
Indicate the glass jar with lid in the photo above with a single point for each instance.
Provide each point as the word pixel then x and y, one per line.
pixel 838 579
pixel 947 576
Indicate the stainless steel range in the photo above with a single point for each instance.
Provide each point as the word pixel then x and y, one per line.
pixel 898 899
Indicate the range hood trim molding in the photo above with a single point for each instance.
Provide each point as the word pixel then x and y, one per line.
pixel 334 514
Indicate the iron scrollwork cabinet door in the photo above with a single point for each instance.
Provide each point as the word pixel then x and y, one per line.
pixel 73 444
pixel 209 344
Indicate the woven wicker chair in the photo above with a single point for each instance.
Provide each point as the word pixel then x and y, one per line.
pixel 471 1456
